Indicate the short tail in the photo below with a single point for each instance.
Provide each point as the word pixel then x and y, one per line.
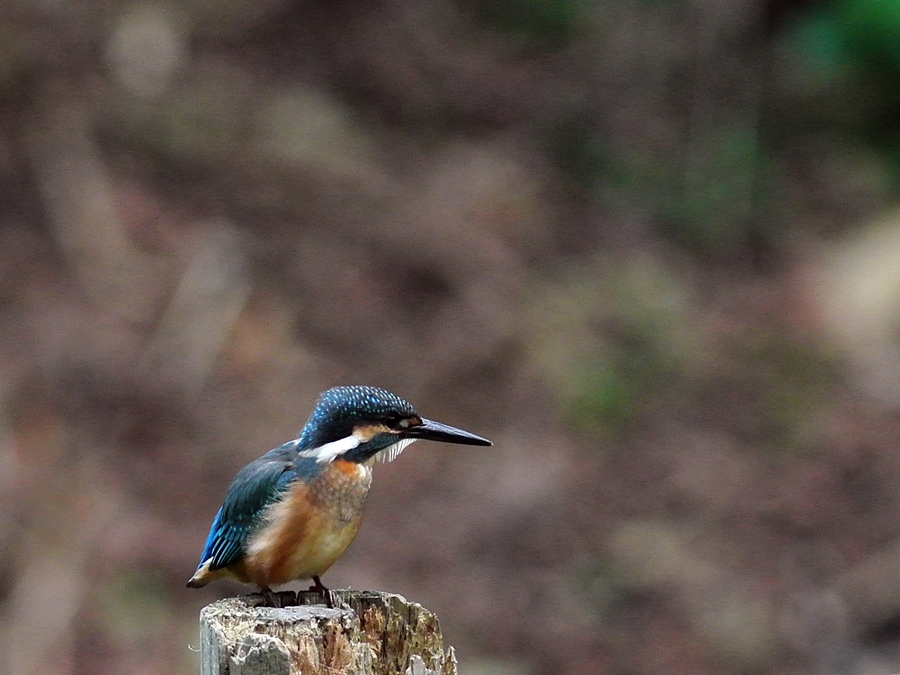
pixel 201 577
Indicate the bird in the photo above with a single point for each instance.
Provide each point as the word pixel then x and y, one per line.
pixel 293 512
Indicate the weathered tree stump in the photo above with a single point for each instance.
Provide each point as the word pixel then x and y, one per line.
pixel 368 633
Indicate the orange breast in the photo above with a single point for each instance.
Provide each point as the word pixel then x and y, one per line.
pixel 307 531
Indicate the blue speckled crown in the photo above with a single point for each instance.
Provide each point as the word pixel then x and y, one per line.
pixel 339 409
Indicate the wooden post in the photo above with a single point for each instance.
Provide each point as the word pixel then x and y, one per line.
pixel 368 633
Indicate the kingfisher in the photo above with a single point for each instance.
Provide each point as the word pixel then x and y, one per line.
pixel 294 511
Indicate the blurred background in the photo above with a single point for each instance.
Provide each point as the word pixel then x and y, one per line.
pixel 651 249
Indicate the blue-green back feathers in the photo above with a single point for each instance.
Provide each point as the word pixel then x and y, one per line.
pixel 257 486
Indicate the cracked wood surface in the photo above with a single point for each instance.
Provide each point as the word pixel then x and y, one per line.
pixel 368 632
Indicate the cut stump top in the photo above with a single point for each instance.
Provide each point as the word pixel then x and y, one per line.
pixel 368 633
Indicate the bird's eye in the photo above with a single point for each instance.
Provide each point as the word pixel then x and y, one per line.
pixel 392 420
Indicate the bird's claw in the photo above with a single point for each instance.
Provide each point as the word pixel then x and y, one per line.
pixel 270 599
pixel 326 593
pixel 277 600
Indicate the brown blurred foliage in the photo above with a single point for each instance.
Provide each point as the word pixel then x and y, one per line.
pixel 554 223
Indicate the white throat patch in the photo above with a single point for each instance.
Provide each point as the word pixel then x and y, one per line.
pixel 327 453
pixel 392 452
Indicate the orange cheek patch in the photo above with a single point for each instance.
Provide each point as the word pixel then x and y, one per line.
pixel 366 432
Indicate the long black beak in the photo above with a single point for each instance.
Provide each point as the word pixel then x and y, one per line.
pixel 435 431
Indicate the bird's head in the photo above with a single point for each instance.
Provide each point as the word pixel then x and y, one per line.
pixel 361 423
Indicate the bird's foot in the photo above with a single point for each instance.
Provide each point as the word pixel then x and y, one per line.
pixel 326 593
pixel 270 599
pixel 277 600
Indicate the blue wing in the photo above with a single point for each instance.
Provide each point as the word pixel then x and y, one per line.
pixel 254 488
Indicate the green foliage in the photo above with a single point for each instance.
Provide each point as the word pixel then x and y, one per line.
pixel 615 388
pixel 819 47
pixel 707 196
pixel 612 338
pixel 621 343
pixel 845 65
pixel 717 206
pixel 850 35
pixel 872 29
